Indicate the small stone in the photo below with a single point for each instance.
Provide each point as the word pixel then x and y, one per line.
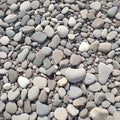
pixel 72 21
pixel 116 72
pixel 98 113
pixel 11 107
pixel 39 37
pixel 62 31
pixel 83 113
pixel 3 97
pixel 35 4
pixel 27 106
pixel 41 82
pixel 25 6
pixel 97 23
pixel 42 109
pixel 112 35
pixel 33 93
pixel 57 56
pixel 46 50
pixel 62 82
pixel 95 5
pixel 104 47
pixel 74 75
pixel 22 55
pixel 51 84
pixel 118 16
pixel 27 29
pixel 69 1
pixel 3 55
pixel 97 33
pixel 75 60
pixel 49 31
pixel 61 92
pixel 40 56
pixel 116 115
pixel 43 96
pixel 23 82
pixel 84 13
pixel 103 73
pixel 110 97
pixel 2 106
pixel 24 94
pixel 18 37
pixel 7 86
pixel 112 11
pixel 60 113
pixel 95 87
pixel 3 71
pixel 4 40
pixel 80 102
pixel 84 47
pixel 89 79
pixel 72 110
pixel 10 18
pixel 12 75
pixel 7 65
pixel 75 92
pixel 13 95
pixel 28 73
pixel 104 33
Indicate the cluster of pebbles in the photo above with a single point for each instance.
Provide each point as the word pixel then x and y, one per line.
pixel 59 60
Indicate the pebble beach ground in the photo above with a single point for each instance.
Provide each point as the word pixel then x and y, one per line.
pixel 59 60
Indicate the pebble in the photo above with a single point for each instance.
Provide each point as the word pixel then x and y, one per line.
pixel 18 37
pixel 89 79
pixel 49 31
pixel 60 113
pixel 22 55
pixel 3 55
pixel 72 21
pixel 25 6
pixel 98 113
pixel 95 87
pixel 84 47
pixel 62 31
pixel 97 23
pixel 42 109
pixel 23 81
pixel 4 40
pixel 69 1
pixel 7 86
pixel 2 106
pixel 104 47
pixel 112 11
pixel 103 73
pixel 74 75
pixel 62 82
pixel 116 115
pixel 61 92
pixel 76 94
pixel 46 50
pixel 95 5
pixel 117 16
pixel 35 4
pixel 39 37
pixel 11 107
pixel 97 33
pixel 84 13
pixel 72 110
pixel 40 56
pixel 12 75
pixel 43 97
pixel 11 18
pixel 112 35
pixel 33 93
pixel 75 60
pixel 104 33
pixel 41 82
pixel 110 97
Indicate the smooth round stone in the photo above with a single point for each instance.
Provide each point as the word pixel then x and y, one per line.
pixel 84 47
pixel 110 97
pixel 83 113
pixel 62 31
pixel 72 21
pixel 95 5
pixel 89 79
pixel 18 36
pixel 98 113
pixel 4 40
pixel 2 106
pixel 75 75
pixel 69 1
pixel 61 92
pixel 40 82
pixel 62 82
pixel 10 18
pixel 97 33
pixel 60 113
pixel 7 86
pixel 103 73
pixel 75 92
pixel 43 96
pixel 42 109
pixel 7 65
pixel 65 10
pixel 35 4
pixel 71 36
pixel 11 107
pixel 49 31
pixel 3 97
pixel 33 93
pixel 84 13
pixel 72 110
pixel 23 82
pixel 10 33
pixel 112 35
pixel 46 50
pixel 39 37
pixel 104 33
pixel 104 47
pixel 75 60
pixel 11 1
pixel 3 55
pixel 118 16
pixel 95 87
pixel 25 6
pixel 24 94
pixel 106 104
pixel 97 23
pixel 112 11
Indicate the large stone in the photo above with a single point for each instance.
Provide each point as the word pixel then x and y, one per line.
pixel 11 107
pixel 98 113
pixel 39 37
pixel 74 75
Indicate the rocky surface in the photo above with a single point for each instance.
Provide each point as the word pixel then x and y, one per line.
pixel 59 60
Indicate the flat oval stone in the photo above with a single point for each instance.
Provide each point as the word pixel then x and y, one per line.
pixel 75 75
pixel 3 54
